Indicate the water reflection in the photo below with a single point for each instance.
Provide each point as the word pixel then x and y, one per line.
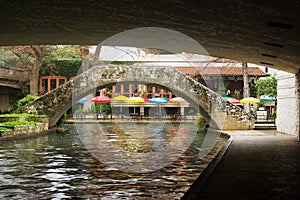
pixel 135 147
pixel 58 166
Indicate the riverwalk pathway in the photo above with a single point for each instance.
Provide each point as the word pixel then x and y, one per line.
pixel 254 165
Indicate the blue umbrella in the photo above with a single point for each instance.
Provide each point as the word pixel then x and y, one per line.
pixel 268 99
pixel 158 100
pixel 83 100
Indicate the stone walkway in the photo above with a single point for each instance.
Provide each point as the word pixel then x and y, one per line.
pixel 255 165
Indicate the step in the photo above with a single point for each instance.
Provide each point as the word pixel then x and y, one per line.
pixel 260 126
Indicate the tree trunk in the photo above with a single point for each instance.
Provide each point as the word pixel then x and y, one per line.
pixel 84 55
pixel 35 69
pixel 97 54
pixel 246 89
pixel 34 79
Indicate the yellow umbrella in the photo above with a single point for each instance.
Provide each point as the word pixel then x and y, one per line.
pixel 135 100
pixel 250 100
pixel 120 98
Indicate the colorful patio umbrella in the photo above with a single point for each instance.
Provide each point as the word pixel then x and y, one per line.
pixel 120 98
pixel 249 100
pixel 232 100
pixel 135 100
pixel 101 99
pixel 178 100
pixel 158 100
pixel 145 99
pixel 83 100
pixel 267 99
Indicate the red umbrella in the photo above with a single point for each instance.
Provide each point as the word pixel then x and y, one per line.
pixel 232 100
pixel 145 99
pixel 101 99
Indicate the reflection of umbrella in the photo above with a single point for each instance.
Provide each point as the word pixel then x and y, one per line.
pixel 83 100
pixel 101 99
pixel 268 99
pixel 158 100
pixel 135 100
pixel 232 100
pixel 250 100
pixel 178 100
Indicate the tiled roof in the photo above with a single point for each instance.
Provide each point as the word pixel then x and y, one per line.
pixel 221 71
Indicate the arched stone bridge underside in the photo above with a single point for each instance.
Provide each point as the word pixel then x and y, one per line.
pixel 211 105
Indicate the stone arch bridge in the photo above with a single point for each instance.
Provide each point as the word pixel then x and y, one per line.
pixel 218 112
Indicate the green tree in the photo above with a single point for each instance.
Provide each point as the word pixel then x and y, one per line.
pixel 266 86
pixel 58 52
pixel 31 57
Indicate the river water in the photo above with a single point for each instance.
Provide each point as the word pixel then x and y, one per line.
pixel 59 166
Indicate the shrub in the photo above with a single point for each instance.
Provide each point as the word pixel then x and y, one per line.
pixel 104 107
pixel 4 129
pixel 62 120
pixel 200 122
pixel 15 123
pixel 25 100
pixel 21 115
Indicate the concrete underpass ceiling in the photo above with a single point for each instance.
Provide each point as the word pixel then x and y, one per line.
pixel 261 32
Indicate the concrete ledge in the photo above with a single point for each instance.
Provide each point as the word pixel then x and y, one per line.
pixel 200 182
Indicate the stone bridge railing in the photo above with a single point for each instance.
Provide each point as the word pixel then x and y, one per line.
pixel 212 106
pixel 13 77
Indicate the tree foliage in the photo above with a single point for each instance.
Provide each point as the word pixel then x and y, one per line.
pixel 59 52
pixel 266 86
pixel 67 68
pixel 31 57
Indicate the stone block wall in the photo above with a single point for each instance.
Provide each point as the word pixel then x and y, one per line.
pixel 42 125
pixel 287 120
pixel 23 130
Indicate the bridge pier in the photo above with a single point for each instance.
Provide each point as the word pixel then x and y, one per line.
pixel 288 102
pixel 7 96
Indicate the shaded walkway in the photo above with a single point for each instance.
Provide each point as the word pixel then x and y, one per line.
pixel 256 165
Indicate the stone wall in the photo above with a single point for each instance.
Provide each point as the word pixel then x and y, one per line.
pixel 41 119
pixel 212 106
pixel 42 125
pixel 23 130
pixel 287 120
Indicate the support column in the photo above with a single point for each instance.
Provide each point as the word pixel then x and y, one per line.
pixel 162 92
pixel 153 91
pixel 297 89
pixel 41 87
pixel 57 82
pixel 130 90
pixel 122 89
pixel 181 110
pixel 48 88
pixel 288 103
pixel 170 95
pixel 142 110
pixel 113 90
pixel 139 90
